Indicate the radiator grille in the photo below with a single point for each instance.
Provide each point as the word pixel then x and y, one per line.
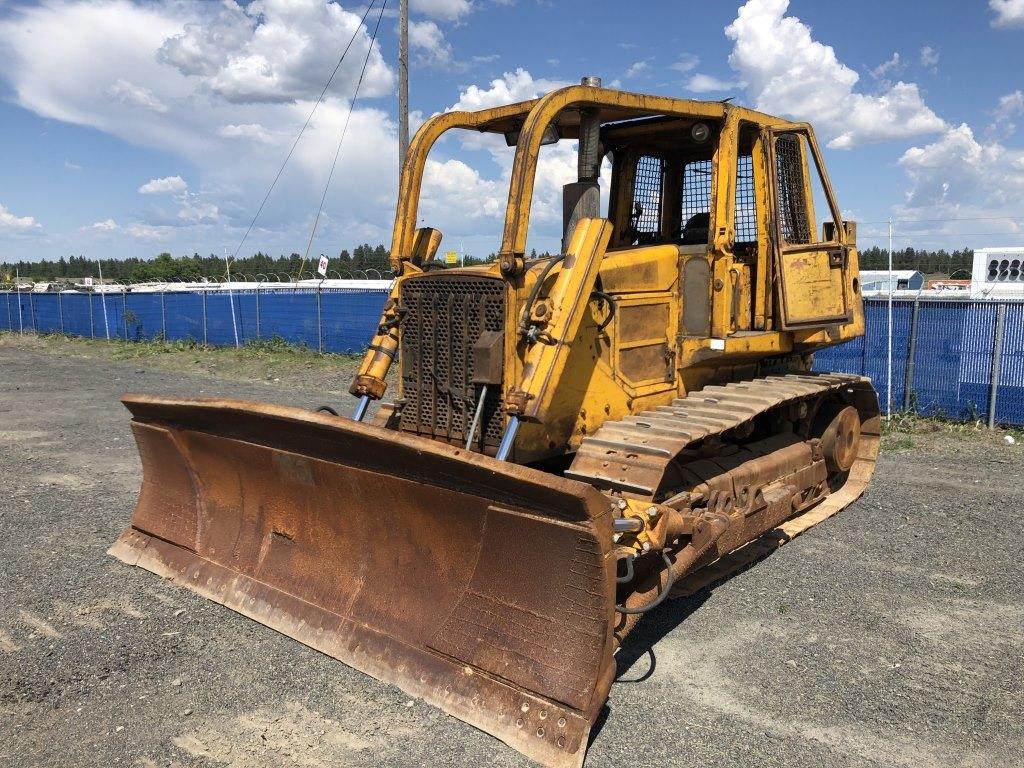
pixel 445 316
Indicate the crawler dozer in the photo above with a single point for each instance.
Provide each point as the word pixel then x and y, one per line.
pixel 573 437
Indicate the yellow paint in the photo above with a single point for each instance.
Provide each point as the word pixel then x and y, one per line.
pixel 565 375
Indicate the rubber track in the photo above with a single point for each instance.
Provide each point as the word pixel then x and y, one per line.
pixel 631 455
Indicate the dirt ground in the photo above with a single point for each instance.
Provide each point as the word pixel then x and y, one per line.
pixel 891 635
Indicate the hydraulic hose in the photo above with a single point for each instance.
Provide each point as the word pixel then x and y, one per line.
pixel 535 291
pixel 669 583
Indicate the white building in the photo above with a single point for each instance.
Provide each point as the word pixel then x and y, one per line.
pixel 877 280
pixel 998 273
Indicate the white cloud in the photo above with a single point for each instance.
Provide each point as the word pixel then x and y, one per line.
pixel 193 209
pixel 789 73
pixel 107 225
pixel 147 231
pixel 168 185
pixel 11 223
pixel 448 10
pixel 428 42
pixel 957 177
pixel 637 67
pixel 103 41
pixel 251 131
pixel 701 83
pixel 1009 13
pixel 69 166
pixel 892 66
pixel 135 96
pixel 1011 105
pixel 929 57
pixel 687 62
pixel 276 51
pixel 507 89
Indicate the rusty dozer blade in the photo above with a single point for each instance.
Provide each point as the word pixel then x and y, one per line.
pixel 483 587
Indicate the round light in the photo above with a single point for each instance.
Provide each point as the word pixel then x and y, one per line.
pixel 700 132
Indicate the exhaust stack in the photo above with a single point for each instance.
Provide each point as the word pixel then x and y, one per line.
pixel 582 199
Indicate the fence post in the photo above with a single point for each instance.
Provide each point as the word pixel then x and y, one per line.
pixel 319 325
pixel 124 312
pixel 908 378
pixel 205 338
pixel 32 310
pixel 21 322
pixel 163 316
pixel 997 361
pixel 60 310
pixel 257 310
pixel 10 316
pixel 92 324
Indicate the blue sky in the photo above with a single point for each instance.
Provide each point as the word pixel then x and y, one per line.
pixel 130 128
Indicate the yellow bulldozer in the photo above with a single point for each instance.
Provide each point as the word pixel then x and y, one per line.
pixel 572 438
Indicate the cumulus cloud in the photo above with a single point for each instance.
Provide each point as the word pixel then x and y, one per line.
pixel 958 171
pixel 276 51
pixel 448 10
pixel 686 63
pixel 107 225
pixel 788 72
pixel 1009 13
pixel 1010 106
pixel 889 67
pixel 168 185
pixel 11 223
pixel 74 167
pixel 507 89
pixel 701 83
pixel 251 131
pixel 428 43
pixel 135 96
pixel 929 57
pixel 148 231
pixel 186 55
pixel 637 67
pixel 957 177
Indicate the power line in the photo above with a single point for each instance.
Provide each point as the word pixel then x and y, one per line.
pixel 941 220
pixel 344 130
pixel 305 125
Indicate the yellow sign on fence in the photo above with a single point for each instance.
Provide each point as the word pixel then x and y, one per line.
pixel 451 257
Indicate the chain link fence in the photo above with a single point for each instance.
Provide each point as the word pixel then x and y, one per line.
pixel 329 320
pixel 957 359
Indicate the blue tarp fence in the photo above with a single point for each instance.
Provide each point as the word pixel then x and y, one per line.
pixel 345 321
pixel 946 354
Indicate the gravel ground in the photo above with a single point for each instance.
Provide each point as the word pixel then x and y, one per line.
pixel 888 636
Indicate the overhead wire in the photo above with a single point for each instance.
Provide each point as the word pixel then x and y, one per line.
pixel 305 125
pixel 341 140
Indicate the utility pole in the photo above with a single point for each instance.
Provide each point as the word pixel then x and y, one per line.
pixel 888 364
pixel 403 83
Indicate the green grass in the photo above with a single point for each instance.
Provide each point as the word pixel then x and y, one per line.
pixel 905 429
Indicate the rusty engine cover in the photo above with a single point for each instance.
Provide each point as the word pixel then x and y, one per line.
pixel 484 587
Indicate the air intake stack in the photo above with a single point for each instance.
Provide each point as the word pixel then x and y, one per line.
pixel 582 199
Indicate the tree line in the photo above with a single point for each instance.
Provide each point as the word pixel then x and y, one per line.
pixel 195 267
pixel 929 262
pixel 363 257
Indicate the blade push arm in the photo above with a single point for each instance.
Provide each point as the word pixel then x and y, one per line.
pixel 551 323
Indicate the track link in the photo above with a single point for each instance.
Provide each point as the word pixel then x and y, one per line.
pixel 632 456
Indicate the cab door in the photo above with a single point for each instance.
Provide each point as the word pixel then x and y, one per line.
pixel 811 265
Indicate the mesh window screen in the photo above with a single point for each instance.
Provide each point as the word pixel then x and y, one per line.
pixel 696 189
pixel 746 209
pixel 791 193
pixel 647 193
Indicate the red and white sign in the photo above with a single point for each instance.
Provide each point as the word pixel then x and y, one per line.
pixel 322 266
